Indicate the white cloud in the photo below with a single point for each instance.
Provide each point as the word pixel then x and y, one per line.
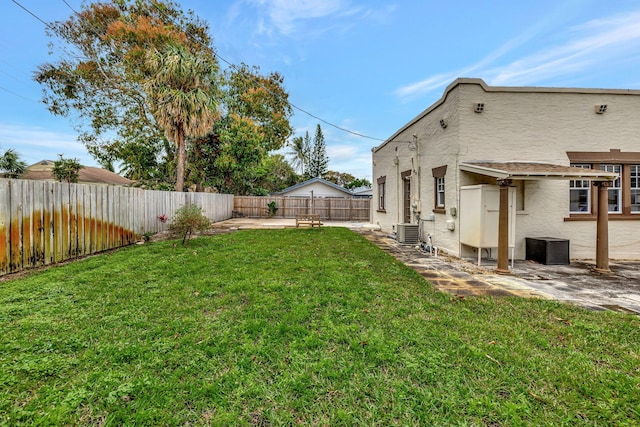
pixel 595 44
pixel 303 18
pixel 341 152
pixel 35 144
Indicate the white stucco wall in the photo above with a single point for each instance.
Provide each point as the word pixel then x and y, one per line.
pixel 319 190
pixel 522 124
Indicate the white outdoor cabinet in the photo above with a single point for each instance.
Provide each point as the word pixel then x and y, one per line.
pixel 479 215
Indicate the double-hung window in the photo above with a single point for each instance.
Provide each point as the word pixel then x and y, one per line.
pixel 440 192
pixel 382 187
pixel 615 191
pixel 580 193
pixel 439 188
pixel 635 188
pixel 623 193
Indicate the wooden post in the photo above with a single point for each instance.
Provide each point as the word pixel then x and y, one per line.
pixel 503 227
pixel 602 228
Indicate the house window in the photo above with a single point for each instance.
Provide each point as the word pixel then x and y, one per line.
pixel 635 188
pixel 623 196
pixel 580 193
pixel 440 192
pixel 382 184
pixel 615 191
pixel 439 199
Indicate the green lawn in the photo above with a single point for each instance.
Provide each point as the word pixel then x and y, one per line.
pixel 289 327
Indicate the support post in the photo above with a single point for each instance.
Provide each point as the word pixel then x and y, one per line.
pixel 602 228
pixel 503 227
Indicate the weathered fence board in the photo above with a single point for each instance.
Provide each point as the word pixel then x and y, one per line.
pixel 47 222
pixel 329 208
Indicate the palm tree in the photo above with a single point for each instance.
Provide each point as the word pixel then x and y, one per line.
pixel 10 164
pixel 300 150
pixel 181 90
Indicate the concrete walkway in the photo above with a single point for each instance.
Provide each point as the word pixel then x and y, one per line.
pixel 576 283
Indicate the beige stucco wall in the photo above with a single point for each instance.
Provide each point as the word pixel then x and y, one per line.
pixel 526 124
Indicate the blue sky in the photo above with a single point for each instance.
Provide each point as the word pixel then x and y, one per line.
pixel 367 66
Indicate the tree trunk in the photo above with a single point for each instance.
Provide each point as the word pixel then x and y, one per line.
pixel 179 140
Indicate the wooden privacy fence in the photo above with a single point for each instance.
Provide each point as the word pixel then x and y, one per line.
pixel 329 208
pixel 44 222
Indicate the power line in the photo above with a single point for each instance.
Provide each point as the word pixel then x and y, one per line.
pixel 18 95
pixel 32 14
pixel 229 63
pixel 235 67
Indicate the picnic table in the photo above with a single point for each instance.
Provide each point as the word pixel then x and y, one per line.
pixel 308 219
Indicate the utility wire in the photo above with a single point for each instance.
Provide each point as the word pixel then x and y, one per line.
pixel 32 14
pixel 18 95
pixel 229 63
pixel 235 67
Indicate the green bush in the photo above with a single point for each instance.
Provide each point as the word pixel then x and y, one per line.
pixel 273 209
pixel 187 219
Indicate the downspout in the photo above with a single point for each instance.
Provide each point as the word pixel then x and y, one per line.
pixel 396 161
pixel 418 176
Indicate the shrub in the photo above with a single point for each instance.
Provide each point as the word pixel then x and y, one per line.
pixel 188 218
pixel 66 170
pixel 273 209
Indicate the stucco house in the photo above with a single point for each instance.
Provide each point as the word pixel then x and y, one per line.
pixel 314 188
pixel 486 167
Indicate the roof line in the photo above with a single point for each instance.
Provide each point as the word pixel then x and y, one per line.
pixel 513 89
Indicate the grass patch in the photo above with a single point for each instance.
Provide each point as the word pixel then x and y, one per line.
pixel 287 327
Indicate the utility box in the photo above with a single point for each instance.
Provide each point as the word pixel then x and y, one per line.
pixel 407 233
pixel 548 250
pixel 479 213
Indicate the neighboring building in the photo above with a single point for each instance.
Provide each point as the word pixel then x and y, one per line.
pixel 316 187
pixel 43 171
pixel 442 170
pixel 362 192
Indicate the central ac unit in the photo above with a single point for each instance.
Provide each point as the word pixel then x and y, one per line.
pixel 407 233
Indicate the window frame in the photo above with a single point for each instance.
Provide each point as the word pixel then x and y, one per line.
pixel 382 193
pixel 627 161
pixel 439 189
pixel 585 185
pixel 440 192
pixel 616 187
pixel 634 188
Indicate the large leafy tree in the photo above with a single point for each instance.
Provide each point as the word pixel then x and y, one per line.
pixel 10 164
pixel 276 175
pixel 254 122
pixel 357 183
pixel 110 77
pixel 339 178
pixel 104 69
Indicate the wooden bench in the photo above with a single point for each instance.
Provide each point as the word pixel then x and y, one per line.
pixel 309 219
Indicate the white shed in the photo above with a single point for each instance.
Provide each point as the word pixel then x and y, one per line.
pixel 315 187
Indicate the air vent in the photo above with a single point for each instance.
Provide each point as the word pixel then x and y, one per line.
pixel 407 233
pixel 478 107
pixel 601 108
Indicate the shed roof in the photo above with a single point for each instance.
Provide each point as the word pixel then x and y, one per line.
pixel 534 171
pixel 311 181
